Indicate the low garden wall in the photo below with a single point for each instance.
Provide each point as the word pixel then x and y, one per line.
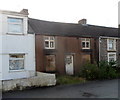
pixel 41 79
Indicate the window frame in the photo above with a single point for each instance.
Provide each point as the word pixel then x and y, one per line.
pixel 114 44
pixel 11 70
pixel 15 23
pixel 49 41
pixel 115 57
pixel 85 41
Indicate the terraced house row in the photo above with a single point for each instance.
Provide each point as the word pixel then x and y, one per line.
pixel 65 47
pixel 30 45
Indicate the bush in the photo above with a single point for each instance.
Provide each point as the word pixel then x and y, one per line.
pixel 105 70
pixel 89 71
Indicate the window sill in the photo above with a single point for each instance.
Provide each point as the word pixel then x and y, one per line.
pixel 111 50
pixel 15 33
pixel 49 48
pixel 86 50
pixel 10 71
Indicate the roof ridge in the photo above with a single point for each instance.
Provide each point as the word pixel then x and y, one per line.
pixel 74 23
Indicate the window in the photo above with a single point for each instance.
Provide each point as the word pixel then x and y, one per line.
pixel 111 44
pixel 111 57
pixel 49 42
pixel 86 58
pixel 16 61
pixel 85 43
pixel 15 25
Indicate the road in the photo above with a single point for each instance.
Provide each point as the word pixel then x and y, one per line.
pixel 93 89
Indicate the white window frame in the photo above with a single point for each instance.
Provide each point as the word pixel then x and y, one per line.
pixel 49 41
pixel 15 23
pixel 17 59
pixel 114 44
pixel 85 43
pixel 112 54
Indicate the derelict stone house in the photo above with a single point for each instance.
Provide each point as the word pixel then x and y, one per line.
pixel 65 47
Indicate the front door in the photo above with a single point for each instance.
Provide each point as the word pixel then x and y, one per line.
pixel 69 64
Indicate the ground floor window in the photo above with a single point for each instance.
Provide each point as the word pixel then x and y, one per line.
pixel 50 63
pixel 86 58
pixel 111 57
pixel 16 61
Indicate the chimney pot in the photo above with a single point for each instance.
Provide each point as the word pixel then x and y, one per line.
pixel 82 21
pixel 24 11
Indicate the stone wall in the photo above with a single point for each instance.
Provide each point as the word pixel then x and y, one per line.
pixel 104 52
pixel 41 79
pixel 103 49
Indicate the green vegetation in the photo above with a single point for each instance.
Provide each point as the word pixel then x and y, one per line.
pixel 105 70
pixel 89 71
pixel 66 79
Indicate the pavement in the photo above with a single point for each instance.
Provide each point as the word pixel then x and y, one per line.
pixel 90 89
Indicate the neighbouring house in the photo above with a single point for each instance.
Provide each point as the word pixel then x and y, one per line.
pixel 64 47
pixel 17 46
pixel 17 53
pixel 109 48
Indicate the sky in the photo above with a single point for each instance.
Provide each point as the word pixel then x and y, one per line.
pixel 97 12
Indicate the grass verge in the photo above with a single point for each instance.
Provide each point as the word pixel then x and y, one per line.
pixel 66 79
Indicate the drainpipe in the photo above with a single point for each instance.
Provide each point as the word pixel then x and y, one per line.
pixel 99 47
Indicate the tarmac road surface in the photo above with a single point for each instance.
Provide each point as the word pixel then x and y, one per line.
pixel 91 89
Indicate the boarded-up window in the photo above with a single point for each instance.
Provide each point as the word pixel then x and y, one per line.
pixel 50 63
pixel 86 58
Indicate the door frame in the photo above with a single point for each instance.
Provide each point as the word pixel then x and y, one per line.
pixel 72 63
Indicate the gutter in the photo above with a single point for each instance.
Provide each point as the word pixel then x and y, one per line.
pixel 109 37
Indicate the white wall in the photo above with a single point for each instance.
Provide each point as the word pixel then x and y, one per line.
pixel 0 56
pixel 12 43
pixel 18 44
pixel 0 23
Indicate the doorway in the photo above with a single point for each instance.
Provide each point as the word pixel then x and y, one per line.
pixel 69 64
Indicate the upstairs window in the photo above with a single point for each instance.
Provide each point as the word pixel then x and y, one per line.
pixel 111 44
pixel 49 42
pixel 15 25
pixel 16 61
pixel 85 43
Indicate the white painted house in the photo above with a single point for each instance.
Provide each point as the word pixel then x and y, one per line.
pixel 17 51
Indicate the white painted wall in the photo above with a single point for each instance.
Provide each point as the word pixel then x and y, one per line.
pixel 0 56
pixel 12 43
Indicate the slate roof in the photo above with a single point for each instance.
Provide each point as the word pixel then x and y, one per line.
pixel 68 29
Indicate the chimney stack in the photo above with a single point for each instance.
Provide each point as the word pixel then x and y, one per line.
pixel 24 11
pixel 82 21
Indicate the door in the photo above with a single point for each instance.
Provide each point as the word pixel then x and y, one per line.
pixel 69 64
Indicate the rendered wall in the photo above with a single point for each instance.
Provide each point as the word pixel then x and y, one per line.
pixel 15 44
